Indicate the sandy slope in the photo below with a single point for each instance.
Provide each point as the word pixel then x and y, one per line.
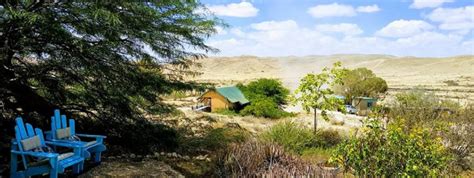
pixel 401 73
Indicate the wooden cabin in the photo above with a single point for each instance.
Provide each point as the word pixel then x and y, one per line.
pixel 363 105
pixel 222 98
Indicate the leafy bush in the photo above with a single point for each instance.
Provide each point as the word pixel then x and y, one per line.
pixel 266 88
pixel 360 82
pixel 392 152
pixel 264 107
pixel 266 98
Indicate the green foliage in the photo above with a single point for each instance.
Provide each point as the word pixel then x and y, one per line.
pixel 266 88
pixel 266 98
pixel 360 82
pixel 314 91
pixel 421 108
pixel 392 152
pixel 264 107
pixel 292 136
pixel 104 61
pixel 446 119
pixel 297 138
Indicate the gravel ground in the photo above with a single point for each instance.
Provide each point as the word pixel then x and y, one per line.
pixel 124 168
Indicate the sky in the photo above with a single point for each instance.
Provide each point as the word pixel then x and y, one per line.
pixel 423 28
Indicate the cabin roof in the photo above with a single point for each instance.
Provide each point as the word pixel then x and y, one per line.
pixel 366 98
pixel 233 94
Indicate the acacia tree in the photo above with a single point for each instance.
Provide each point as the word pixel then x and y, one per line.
pixel 314 91
pixel 82 56
pixel 360 82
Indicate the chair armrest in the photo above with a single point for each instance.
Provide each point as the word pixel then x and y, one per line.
pixel 66 144
pixel 35 154
pixel 91 136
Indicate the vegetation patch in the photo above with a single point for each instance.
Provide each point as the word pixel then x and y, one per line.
pixel 267 98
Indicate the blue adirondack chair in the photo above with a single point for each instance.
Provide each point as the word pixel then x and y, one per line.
pixel 61 132
pixel 30 145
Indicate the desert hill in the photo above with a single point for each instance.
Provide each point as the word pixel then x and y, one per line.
pixel 451 77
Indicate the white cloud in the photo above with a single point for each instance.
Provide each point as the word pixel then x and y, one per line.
pixel 284 38
pixel 332 10
pixel 368 9
pixel 420 4
pixel 340 10
pixel 404 28
pixel 344 28
pixel 275 25
pixel 243 9
pixel 460 19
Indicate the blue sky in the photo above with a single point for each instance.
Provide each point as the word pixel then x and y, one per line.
pixel 431 28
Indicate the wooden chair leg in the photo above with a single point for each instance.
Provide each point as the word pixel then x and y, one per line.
pixel 76 169
pixel 13 165
pixel 53 172
pixel 97 157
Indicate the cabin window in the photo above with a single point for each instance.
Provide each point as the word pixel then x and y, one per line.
pixel 369 104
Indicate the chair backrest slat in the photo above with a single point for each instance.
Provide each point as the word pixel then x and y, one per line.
pixel 29 130
pixel 57 120
pixel 63 121
pixel 72 126
pixel 21 128
pixel 18 136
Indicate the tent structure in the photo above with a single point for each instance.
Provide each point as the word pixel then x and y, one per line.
pixel 222 98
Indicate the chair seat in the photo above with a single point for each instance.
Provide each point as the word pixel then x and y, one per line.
pixel 46 161
pixel 69 161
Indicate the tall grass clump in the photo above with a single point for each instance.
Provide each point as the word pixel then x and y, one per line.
pixel 261 159
pixel 298 138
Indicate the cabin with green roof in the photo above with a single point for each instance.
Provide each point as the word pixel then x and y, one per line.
pixel 222 98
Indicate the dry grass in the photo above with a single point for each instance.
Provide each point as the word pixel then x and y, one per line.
pixel 258 159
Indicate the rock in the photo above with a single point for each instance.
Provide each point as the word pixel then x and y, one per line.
pixel 119 157
pixel 133 156
pixel 139 156
pixel 157 154
pixel 111 157
pixel 162 153
pixel 200 157
pixel 186 158
pixel 174 154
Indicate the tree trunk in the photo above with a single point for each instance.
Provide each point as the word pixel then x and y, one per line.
pixel 315 120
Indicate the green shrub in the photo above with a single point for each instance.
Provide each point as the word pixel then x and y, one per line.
pixel 327 138
pixel 392 152
pixel 297 138
pixel 292 136
pixel 266 88
pixel 264 107
pixel 266 98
